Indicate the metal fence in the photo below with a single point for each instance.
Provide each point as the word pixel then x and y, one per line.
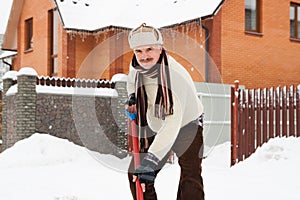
pixel 260 114
pixel 216 102
pixel 72 82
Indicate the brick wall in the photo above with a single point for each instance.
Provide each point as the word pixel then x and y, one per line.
pixel 259 61
pixel 38 10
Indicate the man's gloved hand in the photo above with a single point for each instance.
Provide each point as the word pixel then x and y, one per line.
pixel 131 100
pixel 130 109
pixel 146 170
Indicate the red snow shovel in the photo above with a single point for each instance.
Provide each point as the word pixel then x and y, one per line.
pixel 136 157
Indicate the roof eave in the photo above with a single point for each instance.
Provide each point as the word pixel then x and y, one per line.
pixel 126 28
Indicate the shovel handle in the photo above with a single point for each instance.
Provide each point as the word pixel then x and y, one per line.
pixel 136 157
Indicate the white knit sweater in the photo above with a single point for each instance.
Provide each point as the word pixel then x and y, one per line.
pixel 187 106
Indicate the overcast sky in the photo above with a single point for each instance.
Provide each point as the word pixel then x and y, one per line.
pixel 5 6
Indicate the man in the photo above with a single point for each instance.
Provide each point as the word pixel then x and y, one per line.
pixel 169 115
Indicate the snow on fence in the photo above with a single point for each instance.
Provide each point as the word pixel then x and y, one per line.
pixel 260 114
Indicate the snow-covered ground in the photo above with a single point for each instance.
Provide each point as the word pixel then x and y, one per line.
pixel 44 167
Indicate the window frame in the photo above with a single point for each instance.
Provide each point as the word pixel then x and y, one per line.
pixel 52 36
pixel 258 20
pixel 296 7
pixel 28 35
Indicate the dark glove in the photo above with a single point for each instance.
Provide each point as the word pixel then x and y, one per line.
pixel 146 170
pixel 131 100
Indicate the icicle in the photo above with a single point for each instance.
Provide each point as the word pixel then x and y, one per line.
pixel 105 34
pixel 72 34
pixel 83 35
pixel 201 35
pixel 187 34
pixel 97 36
pixel 187 29
pixel 194 30
pixel 201 28
pixel 182 29
pixel 173 35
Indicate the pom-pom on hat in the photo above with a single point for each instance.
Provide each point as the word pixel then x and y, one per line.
pixel 144 35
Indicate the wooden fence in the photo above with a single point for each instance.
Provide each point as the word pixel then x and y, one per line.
pixel 260 114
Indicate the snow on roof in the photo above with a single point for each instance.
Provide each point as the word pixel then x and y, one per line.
pixel 93 15
pixel 7 54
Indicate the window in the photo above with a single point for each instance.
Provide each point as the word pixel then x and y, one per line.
pixel 53 42
pixel 252 15
pixel 295 20
pixel 28 34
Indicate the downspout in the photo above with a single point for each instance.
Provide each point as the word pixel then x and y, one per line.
pixel 10 65
pixel 206 50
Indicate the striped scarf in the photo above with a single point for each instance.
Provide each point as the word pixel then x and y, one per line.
pixel 164 99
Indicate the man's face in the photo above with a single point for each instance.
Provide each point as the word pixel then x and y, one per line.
pixel 147 56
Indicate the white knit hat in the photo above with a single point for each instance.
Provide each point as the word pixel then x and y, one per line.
pixel 144 35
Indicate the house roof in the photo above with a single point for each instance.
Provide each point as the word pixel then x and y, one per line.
pixel 98 15
pixel 95 15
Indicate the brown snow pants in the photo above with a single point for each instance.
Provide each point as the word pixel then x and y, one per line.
pixel 189 150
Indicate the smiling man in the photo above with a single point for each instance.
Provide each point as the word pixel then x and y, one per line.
pixel 169 115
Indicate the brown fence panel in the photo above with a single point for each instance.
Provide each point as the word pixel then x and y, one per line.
pixel 291 109
pixel 241 125
pixel 265 117
pixel 258 121
pixel 232 126
pixel 271 113
pixel 234 123
pixel 284 112
pixel 251 119
pixel 278 114
pixel 298 110
pixel 258 115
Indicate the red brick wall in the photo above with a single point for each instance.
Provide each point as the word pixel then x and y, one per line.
pixel 38 57
pixel 101 55
pixel 259 61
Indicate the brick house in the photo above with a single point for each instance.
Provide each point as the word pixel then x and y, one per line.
pixel 253 41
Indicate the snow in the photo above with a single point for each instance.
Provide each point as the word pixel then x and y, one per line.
pixel 50 168
pixel 5 7
pixel 132 13
pixel 104 92
pixel 7 54
pixel 119 78
pixel 44 89
pixel 10 75
pixel 27 71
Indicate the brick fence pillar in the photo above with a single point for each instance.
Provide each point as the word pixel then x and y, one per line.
pixel 26 103
pixel 8 80
pixel 118 111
